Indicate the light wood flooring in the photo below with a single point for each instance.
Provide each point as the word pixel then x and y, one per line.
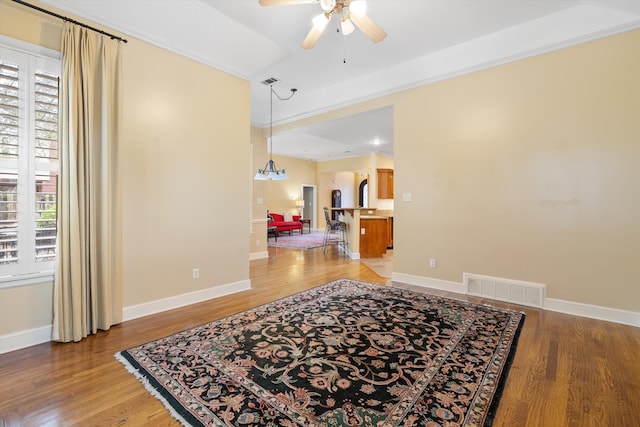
pixel 383 266
pixel 568 371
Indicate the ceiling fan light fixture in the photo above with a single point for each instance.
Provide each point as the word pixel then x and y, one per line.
pixel 346 26
pixel 358 7
pixel 355 12
pixel 327 5
pixel 320 22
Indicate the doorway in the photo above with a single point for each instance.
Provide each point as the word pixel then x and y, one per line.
pixel 363 194
pixel 309 208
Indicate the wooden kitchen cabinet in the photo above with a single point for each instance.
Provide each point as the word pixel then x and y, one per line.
pixel 385 183
pixel 373 237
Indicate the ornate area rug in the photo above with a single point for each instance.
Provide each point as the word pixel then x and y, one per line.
pixel 347 353
pixel 298 241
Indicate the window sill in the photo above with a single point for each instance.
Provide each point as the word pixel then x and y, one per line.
pixel 26 280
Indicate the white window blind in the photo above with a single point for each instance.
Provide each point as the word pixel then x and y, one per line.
pixel 29 91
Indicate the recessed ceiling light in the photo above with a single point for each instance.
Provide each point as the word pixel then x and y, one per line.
pixel 376 141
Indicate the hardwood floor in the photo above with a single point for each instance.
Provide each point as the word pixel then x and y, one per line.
pixel 568 371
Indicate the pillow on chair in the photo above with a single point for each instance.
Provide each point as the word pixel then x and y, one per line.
pixel 276 217
pixel 288 217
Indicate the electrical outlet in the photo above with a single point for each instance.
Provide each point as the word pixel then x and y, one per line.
pixel 432 263
pixel 195 273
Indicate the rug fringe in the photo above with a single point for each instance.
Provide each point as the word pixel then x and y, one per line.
pixel 504 373
pixel 491 378
pixel 151 389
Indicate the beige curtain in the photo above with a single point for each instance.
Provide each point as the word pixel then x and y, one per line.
pixel 88 278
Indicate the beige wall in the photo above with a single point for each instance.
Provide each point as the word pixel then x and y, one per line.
pixel 342 165
pixel 274 196
pixel 186 182
pixel 358 177
pixel 361 168
pixel 524 171
pixel 258 234
pixel 381 204
pixel 279 196
pixel 340 174
pixel 527 171
pixel 343 181
pixel 30 26
pixel 185 156
pixel 384 162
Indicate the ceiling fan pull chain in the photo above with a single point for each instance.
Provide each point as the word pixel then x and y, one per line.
pixel 344 49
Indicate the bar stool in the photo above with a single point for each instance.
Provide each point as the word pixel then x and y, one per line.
pixel 334 226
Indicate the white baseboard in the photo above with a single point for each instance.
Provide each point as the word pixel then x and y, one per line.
pixel 153 307
pixel 22 339
pixel 27 338
pixel 427 282
pixel 258 255
pixel 30 337
pixel 593 311
pixel 567 307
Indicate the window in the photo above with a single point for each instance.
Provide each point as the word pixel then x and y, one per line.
pixel 28 163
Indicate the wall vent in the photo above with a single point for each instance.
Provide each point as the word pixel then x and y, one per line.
pixel 508 290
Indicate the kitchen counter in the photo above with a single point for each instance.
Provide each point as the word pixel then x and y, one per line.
pixel 374 235
pixel 376 226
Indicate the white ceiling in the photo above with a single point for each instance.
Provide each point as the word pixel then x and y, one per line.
pixel 428 40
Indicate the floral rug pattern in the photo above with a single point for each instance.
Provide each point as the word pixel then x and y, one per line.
pixel 347 353
pixel 299 241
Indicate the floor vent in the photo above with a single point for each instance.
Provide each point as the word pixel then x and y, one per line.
pixel 508 290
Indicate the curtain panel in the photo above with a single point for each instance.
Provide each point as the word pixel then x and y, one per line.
pixel 88 277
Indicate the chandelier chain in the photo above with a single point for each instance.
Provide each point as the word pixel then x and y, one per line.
pixel 271 124
pixel 270 170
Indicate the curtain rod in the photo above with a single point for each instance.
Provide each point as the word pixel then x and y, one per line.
pixel 73 21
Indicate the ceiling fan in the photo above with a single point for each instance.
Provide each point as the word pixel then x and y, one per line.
pixel 349 12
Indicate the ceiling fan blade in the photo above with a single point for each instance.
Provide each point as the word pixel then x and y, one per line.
pixel 320 22
pixel 369 28
pixel 312 38
pixel 284 2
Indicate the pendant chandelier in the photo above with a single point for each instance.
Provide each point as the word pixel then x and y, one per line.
pixel 270 170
